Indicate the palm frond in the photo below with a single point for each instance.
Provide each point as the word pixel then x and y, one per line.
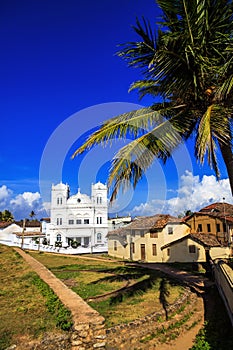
pixel 132 161
pixel 212 127
pixel 133 123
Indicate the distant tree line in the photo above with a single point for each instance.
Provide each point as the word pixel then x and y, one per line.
pixel 7 216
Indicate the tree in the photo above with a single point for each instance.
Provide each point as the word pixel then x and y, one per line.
pixel 32 214
pixel 7 216
pixel 188 63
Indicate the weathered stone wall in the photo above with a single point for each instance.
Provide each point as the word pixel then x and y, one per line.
pixel 154 316
pixel 223 275
pixel 91 335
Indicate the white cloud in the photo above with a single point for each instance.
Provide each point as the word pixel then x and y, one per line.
pixel 193 194
pixel 5 194
pixel 21 205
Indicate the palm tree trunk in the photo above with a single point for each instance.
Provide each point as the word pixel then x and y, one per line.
pixel 227 155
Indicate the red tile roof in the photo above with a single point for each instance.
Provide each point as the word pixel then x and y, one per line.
pixel 4 224
pixel 219 208
pixel 33 223
pixel 150 223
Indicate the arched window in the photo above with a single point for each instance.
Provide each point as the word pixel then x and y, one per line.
pixel 99 200
pixel 59 200
pixel 58 237
pixel 59 221
pixel 99 237
pixel 99 219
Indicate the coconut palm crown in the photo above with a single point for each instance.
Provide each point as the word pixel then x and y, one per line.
pixel 186 61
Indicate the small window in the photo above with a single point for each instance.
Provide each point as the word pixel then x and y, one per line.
pixel 168 251
pixel 133 232
pixel 224 227
pixel 59 221
pixel 99 200
pixel 78 221
pixel 208 228
pixel 192 249
pixel 115 245
pixel 154 235
pixel 199 228
pixel 99 220
pixel 154 249
pixel 58 237
pixel 218 227
pixel 170 230
pixel 142 234
pixel 59 200
pixel 86 221
pixel 71 222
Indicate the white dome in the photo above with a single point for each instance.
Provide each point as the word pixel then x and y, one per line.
pixel 60 186
pixel 99 186
pixel 79 198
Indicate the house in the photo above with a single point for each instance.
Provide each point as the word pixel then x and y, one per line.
pixel 143 238
pixel 19 234
pixel 195 247
pixel 118 221
pixel 78 220
pixel 216 219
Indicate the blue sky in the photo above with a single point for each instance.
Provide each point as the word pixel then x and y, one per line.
pixel 58 65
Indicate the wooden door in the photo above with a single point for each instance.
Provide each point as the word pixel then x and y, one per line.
pixel 143 252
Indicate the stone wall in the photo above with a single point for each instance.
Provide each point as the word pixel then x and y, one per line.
pixel 154 316
pixel 223 275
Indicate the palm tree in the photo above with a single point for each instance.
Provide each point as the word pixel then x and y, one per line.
pixel 32 214
pixel 188 63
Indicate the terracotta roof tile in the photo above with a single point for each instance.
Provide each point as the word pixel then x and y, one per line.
pixel 219 208
pixel 150 223
pixel 28 223
pixel 4 224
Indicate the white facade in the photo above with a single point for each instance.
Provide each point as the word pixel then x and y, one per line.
pixel 79 219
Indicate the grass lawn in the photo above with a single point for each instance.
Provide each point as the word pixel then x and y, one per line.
pixel 92 277
pixel 24 310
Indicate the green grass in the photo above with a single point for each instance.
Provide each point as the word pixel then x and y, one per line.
pixel 24 311
pixel 90 278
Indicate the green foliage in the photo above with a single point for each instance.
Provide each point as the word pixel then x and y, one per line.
pixel 6 215
pixel 63 315
pixel 200 342
pixel 185 61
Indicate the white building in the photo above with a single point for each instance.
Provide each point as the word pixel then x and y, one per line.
pixel 78 220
